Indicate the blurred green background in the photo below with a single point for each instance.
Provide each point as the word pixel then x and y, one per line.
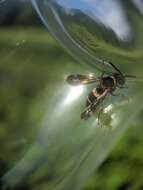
pixel 28 58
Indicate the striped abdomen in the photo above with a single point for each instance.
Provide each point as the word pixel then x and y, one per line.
pixel 94 95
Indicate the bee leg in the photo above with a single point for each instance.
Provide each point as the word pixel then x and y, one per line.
pixel 112 94
pixel 122 87
pixel 122 95
pixel 99 115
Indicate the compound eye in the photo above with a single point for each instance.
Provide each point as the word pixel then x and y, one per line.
pixel 120 79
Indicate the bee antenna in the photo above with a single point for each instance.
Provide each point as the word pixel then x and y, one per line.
pixel 130 76
pixel 115 67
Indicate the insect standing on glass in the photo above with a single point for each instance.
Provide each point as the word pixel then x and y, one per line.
pixel 107 84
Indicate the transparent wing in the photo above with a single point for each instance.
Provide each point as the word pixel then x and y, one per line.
pixel 77 79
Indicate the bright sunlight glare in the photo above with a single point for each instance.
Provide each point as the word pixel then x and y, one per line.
pixel 74 93
pixel 108 108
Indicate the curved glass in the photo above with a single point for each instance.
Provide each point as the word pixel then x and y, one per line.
pixel 92 31
pixel 65 150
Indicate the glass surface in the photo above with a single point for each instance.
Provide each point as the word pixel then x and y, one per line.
pixel 96 30
pixel 45 144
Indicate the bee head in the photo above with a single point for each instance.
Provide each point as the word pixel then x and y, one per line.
pixel 108 82
pixel 120 79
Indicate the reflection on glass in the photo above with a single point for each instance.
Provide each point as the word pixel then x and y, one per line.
pixel 74 93
pixel 139 5
pixel 93 30
pixel 110 13
pixel 108 108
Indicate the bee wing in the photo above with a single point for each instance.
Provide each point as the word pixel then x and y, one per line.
pixel 77 79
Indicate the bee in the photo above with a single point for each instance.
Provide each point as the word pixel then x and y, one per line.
pixel 107 84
